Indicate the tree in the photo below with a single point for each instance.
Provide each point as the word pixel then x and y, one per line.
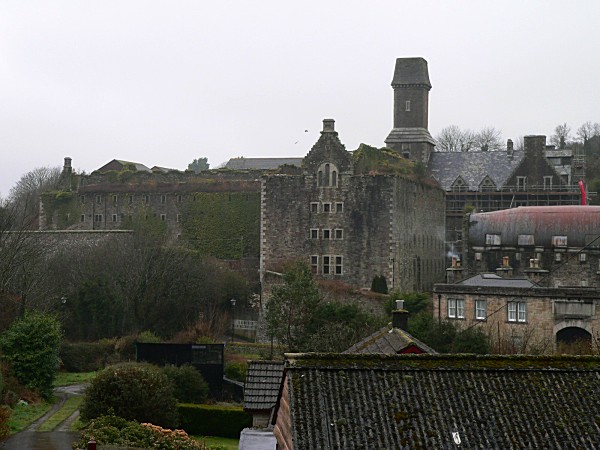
pixel 291 307
pixel 25 195
pixel 31 345
pixel 198 165
pixel 561 135
pixel 489 139
pixel 453 139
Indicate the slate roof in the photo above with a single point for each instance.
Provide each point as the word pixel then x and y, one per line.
pixel 263 379
pixel 410 71
pixel 138 166
pixel 473 167
pixel 493 280
pixel 419 401
pixel 261 163
pixel 388 341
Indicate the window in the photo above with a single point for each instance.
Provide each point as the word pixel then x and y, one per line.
pixel 456 308
pixel 459 185
pixel 559 241
pixel 179 198
pixel 487 185
pixel 114 217
pixel 163 217
pixel 146 199
pixel 130 199
pixel 82 218
pixel 339 233
pixel 407 105
pixel 327 175
pixel 517 312
pixel 339 207
pixel 326 265
pixel 178 217
pixel 82 198
pixel 548 183
pixel 525 240
pixel 480 309
pixel 98 218
pixel 314 263
pixel 314 207
pixel 338 265
pixel 492 239
pixel 314 233
pixel 521 183
pixel 326 207
pixel 98 199
pixel 326 234
pixel 115 198
pixel 163 199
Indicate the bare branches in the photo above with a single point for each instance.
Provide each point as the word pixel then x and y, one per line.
pixel 453 139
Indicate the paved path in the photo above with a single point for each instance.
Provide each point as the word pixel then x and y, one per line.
pixel 59 439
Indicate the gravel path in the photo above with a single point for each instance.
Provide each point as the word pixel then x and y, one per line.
pixel 59 439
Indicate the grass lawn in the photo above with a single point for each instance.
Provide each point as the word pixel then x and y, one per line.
pixel 68 378
pixel 23 415
pixel 218 442
pixel 68 408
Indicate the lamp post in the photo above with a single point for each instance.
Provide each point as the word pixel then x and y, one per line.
pixel 232 318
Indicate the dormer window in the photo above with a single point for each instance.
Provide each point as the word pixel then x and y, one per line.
pixel 487 185
pixel 327 175
pixel 459 185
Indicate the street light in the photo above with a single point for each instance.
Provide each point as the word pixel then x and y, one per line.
pixel 232 318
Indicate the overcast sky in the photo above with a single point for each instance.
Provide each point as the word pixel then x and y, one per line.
pixel 164 82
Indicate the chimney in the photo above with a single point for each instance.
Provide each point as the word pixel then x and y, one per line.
pixel 509 147
pixel 400 316
pixel 328 126
pixel 67 169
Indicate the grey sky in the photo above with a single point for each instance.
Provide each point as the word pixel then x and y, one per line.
pixel 164 82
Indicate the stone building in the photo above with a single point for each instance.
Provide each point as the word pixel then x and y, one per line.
pixel 519 316
pixel 351 225
pixel 553 246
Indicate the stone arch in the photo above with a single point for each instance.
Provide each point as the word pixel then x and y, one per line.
pixel 575 335
pixel 328 175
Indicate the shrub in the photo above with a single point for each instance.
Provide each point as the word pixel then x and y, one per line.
pixel 379 284
pixel 132 391
pixel 112 430
pixel 4 416
pixel 189 385
pixel 148 337
pixel 88 356
pixel 209 420
pixel 32 345
pixel 236 370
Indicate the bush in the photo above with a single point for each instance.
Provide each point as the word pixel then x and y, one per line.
pixel 189 385
pixel 112 430
pixel 208 420
pixel 379 284
pixel 31 345
pixel 236 370
pixel 88 356
pixel 132 391
pixel 4 416
pixel 148 337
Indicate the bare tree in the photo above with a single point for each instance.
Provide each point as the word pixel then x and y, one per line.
pixel 453 139
pixel 489 139
pixel 26 193
pixel 561 135
pixel 586 131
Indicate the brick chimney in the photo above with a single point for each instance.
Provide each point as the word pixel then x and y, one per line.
pixel 400 316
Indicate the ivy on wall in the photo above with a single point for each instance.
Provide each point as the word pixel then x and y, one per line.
pixel 61 209
pixel 222 224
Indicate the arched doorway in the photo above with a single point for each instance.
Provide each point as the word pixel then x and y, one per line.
pixel 573 340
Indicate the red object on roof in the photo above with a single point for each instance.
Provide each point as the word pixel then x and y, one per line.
pixel 583 194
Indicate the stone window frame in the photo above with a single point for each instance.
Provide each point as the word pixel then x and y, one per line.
pixel 480 306
pixel 559 241
pixel 521 183
pixel 98 218
pixel 314 263
pixel 459 185
pixel 326 265
pixel 146 199
pixel 115 199
pixel 327 207
pixel 163 217
pixel 493 239
pixel 548 182
pixel 339 207
pixel 338 233
pixel 487 185
pixel 99 199
pixel 456 308
pixel 314 207
pixel 327 175
pixel 115 218
pixel 327 234
pixel 131 199
pixel 82 218
pixel 179 198
pixel 338 265
pixel 314 233
pixel 163 199
pixel 516 311
pixel 525 240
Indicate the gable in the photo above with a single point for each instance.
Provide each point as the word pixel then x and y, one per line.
pixel 328 150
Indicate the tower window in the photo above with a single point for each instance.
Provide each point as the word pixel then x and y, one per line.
pixel 407 106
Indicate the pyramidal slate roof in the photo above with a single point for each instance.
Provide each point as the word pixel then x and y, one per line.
pixel 263 379
pixel 434 401
pixel 473 167
pixel 389 340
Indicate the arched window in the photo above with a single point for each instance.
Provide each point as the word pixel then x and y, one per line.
pixel 328 175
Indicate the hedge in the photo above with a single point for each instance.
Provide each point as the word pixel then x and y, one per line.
pixel 88 356
pixel 213 420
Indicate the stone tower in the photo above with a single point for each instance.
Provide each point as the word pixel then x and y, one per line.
pixel 411 86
